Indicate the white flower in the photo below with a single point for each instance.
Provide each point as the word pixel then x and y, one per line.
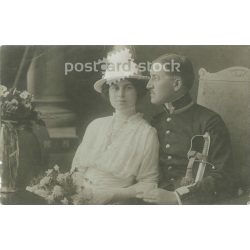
pixel 45 181
pixel 56 167
pixel 27 105
pixel 6 93
pixel 61 178
pixel 77 199
pixel 41 192
pixel 2 89
pixel 50 199
pixel 30 189
pixel 65 201
pixel 25 94
pixel 67 174
pixel 14 101
pixel 57 191
pixel 49 171
pixel 83 196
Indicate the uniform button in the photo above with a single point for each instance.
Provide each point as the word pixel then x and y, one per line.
pixel 168 119
pixel 170 168
pixel 172 179
pixel 168 146
pixel 169 157
pixel 168 132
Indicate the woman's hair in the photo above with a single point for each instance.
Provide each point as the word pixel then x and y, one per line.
pixel 140 87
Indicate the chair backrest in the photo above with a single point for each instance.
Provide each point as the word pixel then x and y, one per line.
pixel 227 92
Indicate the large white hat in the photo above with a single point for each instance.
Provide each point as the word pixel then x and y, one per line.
pixel 120 65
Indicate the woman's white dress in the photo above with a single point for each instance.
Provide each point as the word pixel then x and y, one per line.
pixel 117 153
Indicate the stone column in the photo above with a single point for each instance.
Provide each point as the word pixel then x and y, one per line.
pixel 46 81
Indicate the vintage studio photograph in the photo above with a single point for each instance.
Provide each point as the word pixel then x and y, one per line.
pixel 124 125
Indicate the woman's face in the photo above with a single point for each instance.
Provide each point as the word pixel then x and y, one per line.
pixel 122 95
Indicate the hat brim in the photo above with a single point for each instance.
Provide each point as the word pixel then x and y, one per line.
pixel 98 84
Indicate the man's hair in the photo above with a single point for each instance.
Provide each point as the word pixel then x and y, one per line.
pixel 140 87
pixel 185 68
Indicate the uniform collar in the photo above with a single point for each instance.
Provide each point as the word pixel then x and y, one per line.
pixel 179 105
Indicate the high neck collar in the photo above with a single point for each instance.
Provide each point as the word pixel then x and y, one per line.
pixel 179 105
pixel 125 114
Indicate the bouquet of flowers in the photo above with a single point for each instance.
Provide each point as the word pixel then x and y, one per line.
pixel 16 105
pixel 59 188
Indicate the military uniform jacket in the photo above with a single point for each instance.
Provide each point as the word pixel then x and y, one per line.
pixel 175 129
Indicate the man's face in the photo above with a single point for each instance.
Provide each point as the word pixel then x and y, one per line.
pixel 161 86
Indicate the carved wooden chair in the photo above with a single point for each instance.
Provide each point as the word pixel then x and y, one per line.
pixel 227 92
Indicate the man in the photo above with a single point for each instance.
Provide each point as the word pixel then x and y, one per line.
pixel 172 76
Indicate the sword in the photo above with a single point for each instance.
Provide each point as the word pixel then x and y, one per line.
pixel 202 165
pixel 198 152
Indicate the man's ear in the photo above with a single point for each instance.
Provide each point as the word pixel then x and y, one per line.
pixel 177 84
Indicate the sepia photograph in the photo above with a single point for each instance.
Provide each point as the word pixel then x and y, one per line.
pixel 124 124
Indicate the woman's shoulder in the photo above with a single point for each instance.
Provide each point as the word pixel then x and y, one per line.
pixel 99 122
pixel 147 127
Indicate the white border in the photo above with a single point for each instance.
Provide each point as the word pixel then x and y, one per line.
pixel 128 22
pixel 124 22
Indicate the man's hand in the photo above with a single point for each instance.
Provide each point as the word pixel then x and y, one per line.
pixel 158 196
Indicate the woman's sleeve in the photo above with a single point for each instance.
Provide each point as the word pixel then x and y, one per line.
pixel 148 172
pixel 76 159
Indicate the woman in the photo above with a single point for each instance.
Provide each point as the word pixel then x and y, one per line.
pixel 118 155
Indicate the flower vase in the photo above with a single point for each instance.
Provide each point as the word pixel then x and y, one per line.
pixel 9 157
pixel 20 156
